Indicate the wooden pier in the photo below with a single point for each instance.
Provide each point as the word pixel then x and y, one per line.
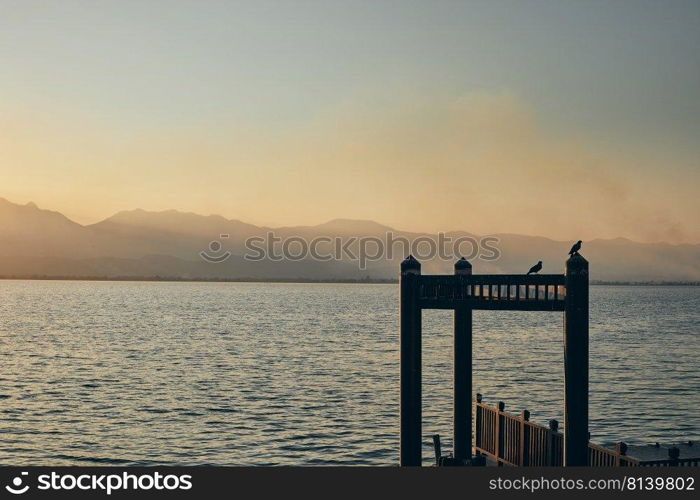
pixel 484 431
pixel 464 292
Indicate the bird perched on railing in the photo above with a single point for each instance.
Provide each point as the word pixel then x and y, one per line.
pixel 574 249
pixel 536 268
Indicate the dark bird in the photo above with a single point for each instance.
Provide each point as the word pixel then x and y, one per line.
pixel 536 268
pixel 574 249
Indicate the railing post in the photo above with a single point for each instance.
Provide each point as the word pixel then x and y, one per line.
pixel 523 457
pixel 576 362
pixel 620 452
pixel 462 383
pixel 674 454
pixel 551 450
pixel 411 418
pixel 499 434
pixel 479 422
pixel 438 448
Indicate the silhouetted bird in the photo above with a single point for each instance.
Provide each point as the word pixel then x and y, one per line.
pixel 574 249
pixel 536 268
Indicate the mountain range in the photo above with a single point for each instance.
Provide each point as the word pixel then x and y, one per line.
pixel 140 244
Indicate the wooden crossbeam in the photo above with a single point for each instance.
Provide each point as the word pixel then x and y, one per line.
pixel 493 279
pixel 493 305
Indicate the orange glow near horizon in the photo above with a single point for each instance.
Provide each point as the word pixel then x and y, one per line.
pixel 480 162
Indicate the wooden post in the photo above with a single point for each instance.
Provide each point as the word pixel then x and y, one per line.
pixel 500 431
pixel 523 457
pixel 551 450
pixel 576 362
pixel 673 454
pixel 438 448
pixel 411 418
pixel 479 422
pixel 462 381
pixel 620 452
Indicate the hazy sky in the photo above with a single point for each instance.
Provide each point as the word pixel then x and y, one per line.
pixel 564 119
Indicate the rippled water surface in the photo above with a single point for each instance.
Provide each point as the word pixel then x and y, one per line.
pixel 234 374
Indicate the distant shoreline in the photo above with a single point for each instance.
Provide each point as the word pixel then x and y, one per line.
pixel 645 283
pixel 166 279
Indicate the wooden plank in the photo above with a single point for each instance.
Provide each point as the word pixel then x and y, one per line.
pixel 492 305
pixel 494 279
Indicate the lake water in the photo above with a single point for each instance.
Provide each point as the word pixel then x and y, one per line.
pixel 126 373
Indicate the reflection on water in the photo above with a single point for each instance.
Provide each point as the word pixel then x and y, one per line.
pixel 232 374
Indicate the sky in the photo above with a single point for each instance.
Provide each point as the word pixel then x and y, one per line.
pixel 571 120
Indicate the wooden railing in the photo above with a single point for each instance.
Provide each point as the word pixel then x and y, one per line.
pixel 513 440
pixel 494 291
